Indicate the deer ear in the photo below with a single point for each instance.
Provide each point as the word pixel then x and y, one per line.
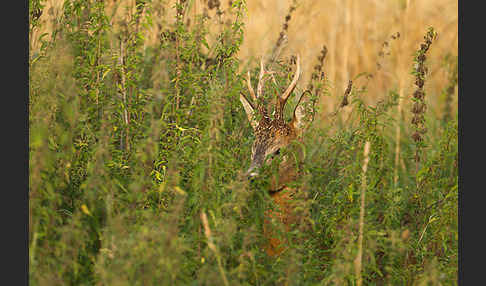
pixel 298 120
pixel 250 111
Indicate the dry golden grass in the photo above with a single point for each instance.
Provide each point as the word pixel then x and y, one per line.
pixel 353 31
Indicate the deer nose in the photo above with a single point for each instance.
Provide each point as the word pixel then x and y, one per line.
pixel 252 175
pixel 252 171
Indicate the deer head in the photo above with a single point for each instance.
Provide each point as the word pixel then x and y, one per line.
pixel 272 134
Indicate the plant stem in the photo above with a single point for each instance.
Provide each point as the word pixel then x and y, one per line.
pixel 357 261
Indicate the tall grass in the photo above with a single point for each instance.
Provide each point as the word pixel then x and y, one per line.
pixel 138 143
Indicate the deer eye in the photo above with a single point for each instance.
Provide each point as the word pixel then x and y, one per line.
pixel 275 153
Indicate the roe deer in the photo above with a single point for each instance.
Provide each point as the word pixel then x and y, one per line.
pixel 271 135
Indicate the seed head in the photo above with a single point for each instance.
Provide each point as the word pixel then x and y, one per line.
pixel 416 137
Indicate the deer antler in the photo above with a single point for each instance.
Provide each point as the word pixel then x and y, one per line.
pixel 282 99
pixel 250 88
pixel 292 85
pixel 261 83
pixel 261 80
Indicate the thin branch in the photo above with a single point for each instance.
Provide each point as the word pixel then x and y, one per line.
pixel 212 246
pixel 359 256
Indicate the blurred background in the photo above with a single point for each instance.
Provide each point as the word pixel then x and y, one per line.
pixel 357 35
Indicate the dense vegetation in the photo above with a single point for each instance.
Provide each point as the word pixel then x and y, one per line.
pixel 137 152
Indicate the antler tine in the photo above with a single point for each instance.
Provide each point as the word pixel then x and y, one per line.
pixel 250 88
pixel 292 85
pixel 261 80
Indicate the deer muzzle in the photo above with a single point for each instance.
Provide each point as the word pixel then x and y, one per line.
pixel 255 166
pixel 252 171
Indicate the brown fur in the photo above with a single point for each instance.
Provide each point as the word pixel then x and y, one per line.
pixel 283 213
pixel 270 136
